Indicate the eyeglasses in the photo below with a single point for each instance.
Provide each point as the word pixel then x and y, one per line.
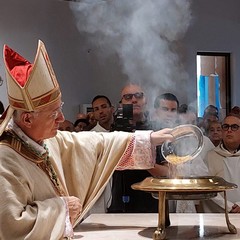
pixel 55 114
pixel 234 127
pixel 129 96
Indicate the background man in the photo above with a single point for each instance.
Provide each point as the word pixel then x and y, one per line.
pixel 166 107
pixel 81 124
pixel 214 132
pixel 133 94
pixel 210 114
pixel 187 115
pixel 66 126
pixel 103 113
pixel 124 198
pixel 166 115
pixel 224 161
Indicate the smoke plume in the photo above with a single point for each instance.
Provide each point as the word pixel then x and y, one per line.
pixel 142 32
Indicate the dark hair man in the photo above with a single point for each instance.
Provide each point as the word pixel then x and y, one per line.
pixel 103 113
pixel 66 126
pixel 166 107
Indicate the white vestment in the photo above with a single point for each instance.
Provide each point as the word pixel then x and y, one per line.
pixel 84 163
pixel 224 164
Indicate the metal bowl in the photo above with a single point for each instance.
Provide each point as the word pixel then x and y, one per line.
pixel 183 188
pixel 184 184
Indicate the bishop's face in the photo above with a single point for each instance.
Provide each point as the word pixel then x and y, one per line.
pixel 44 123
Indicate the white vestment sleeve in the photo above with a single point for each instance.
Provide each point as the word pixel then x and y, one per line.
pixel 139 154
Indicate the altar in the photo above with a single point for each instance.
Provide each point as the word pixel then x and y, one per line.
pixel 142 226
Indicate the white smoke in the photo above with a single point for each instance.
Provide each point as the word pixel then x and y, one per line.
pixel 141 32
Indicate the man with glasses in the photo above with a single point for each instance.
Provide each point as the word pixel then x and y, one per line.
pixel 224 161
pixel 124 198
pixel 50 178
pixel 133 94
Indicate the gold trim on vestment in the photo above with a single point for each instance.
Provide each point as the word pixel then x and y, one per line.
pixel 10 139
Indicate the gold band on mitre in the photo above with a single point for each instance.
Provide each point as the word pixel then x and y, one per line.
pixel 30 86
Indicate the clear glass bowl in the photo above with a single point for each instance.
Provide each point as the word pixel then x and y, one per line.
pixel 187 144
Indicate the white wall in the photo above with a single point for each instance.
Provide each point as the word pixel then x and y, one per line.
pixel 215 28
pixel 82 75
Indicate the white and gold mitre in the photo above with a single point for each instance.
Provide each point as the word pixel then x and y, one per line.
pixel 30 86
